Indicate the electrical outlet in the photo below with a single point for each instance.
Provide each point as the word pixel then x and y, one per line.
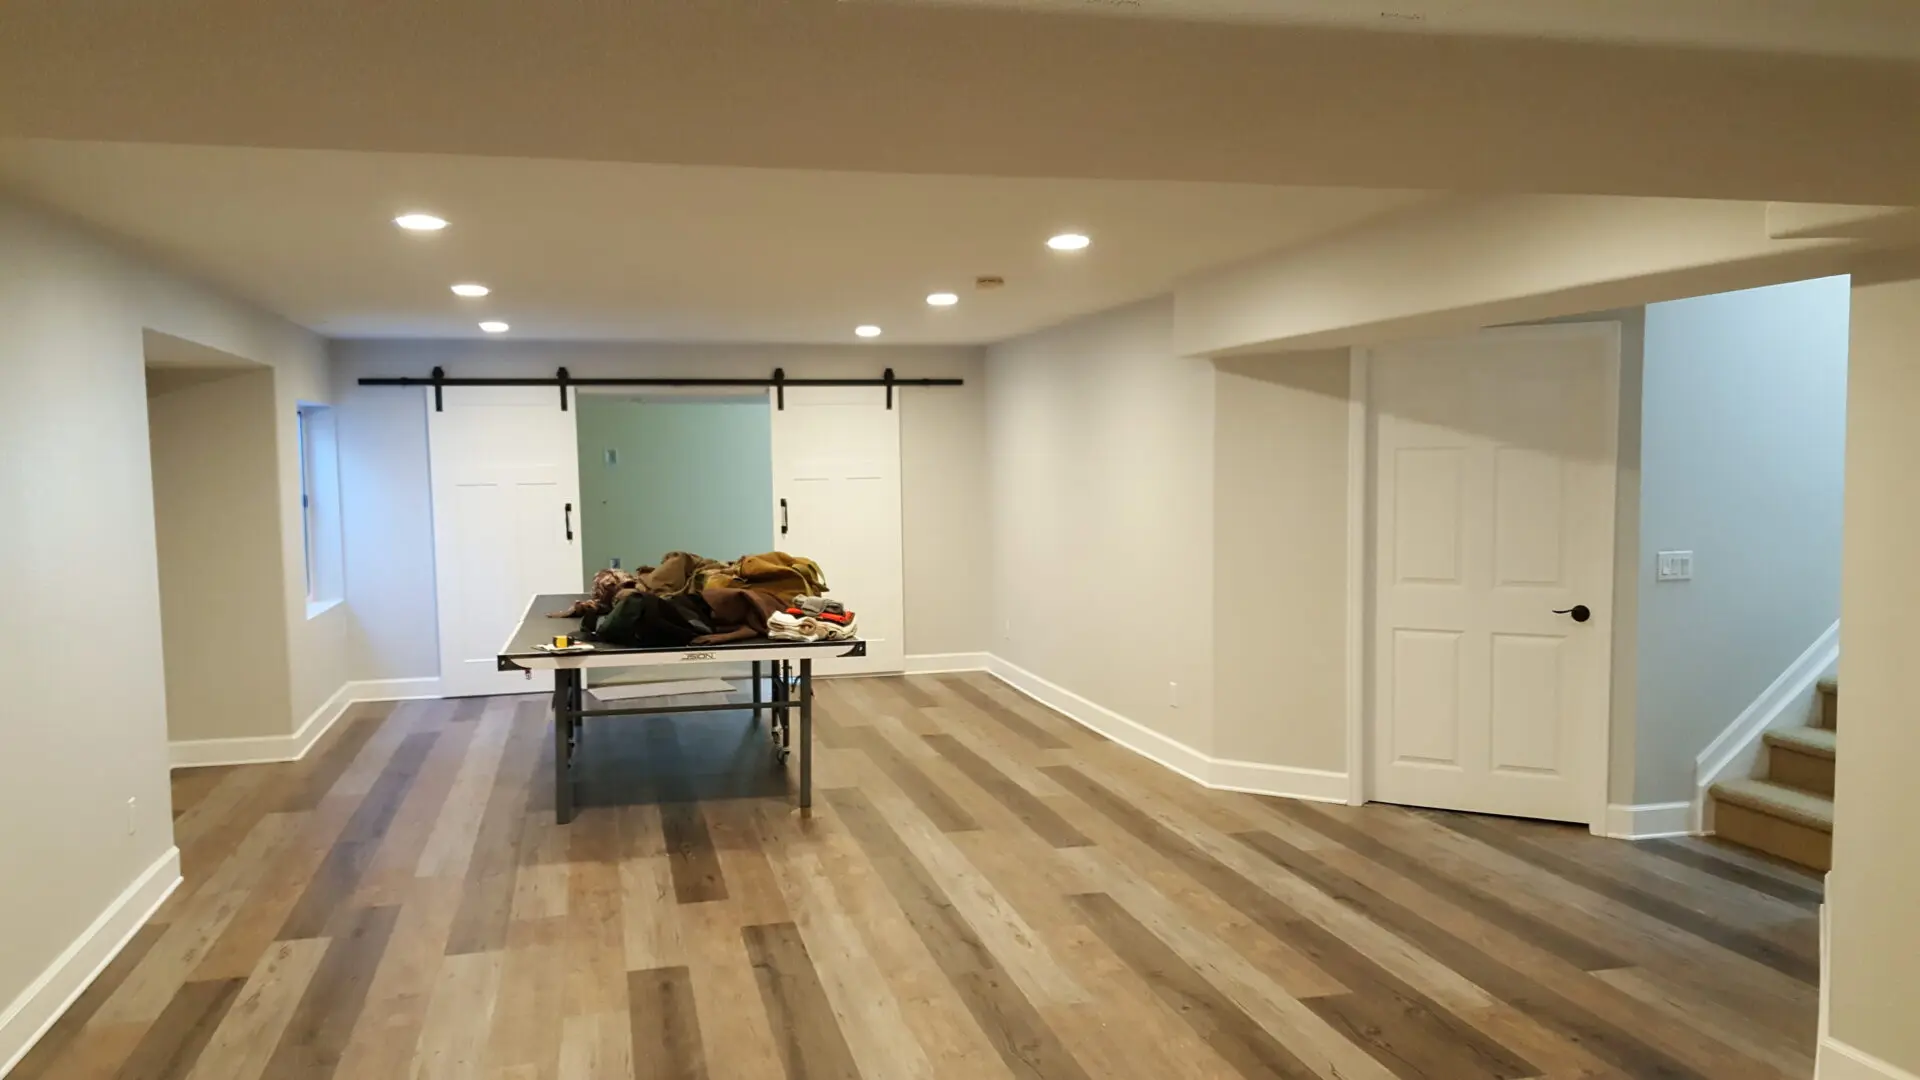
pixel 133 815
pixel 1173 695
pixel 1674 566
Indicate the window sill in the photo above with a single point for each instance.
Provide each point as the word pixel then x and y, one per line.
pixel 317 608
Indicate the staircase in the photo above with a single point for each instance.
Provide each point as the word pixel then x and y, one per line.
pixel 1789 812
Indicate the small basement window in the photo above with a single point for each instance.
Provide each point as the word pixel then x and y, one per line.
pixel 320 508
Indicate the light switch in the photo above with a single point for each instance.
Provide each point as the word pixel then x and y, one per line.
pixel 1674 566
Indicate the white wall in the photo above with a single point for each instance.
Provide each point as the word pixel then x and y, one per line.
pixel 76 494
pixel 1280 552
pixel 1101 456
pixel 388 516
pixel 1875 954
pixel 217 529
pixel 1743 415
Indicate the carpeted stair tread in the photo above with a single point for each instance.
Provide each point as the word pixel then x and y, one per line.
pixel 1811 741
pixel 1828 686
pixel 1789 804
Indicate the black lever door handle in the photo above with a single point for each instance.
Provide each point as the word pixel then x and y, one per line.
pixel 783 517
pixel 1580 612
pixel 569 519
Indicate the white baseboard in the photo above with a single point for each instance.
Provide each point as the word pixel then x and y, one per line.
pixel 1226 774
pixel 29 1016
pixel 191 753
pixel 427 686
pixel 1734 751
pixel 1258 778
pixel 941 663
pixel 1838 1061
pixel 1650 821
pixel 1136 737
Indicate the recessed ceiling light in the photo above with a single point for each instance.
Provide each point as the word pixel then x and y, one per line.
pixel 1069 242
pixel 420 222
pixel 866 331
pixel 470 289
pixel 495 327
pixel 943 299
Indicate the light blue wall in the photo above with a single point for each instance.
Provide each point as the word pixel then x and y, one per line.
pixel 1743 431
pixel 689 476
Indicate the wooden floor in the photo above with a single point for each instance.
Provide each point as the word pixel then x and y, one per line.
pixel 983 890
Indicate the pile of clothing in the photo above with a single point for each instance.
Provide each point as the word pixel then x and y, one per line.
pixel 691 600
pixel 812 618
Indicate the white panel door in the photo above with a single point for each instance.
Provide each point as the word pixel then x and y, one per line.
pixel 1493 478
pixel 506 519
pixel 836 490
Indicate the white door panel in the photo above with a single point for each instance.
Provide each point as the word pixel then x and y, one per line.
pixel 505 469
pixel 836 479
pixel 1493 477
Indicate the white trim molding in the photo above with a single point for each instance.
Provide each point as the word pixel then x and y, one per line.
pixel 1225 774
pixel 1649 821
pixel 1838 1061
pixel 1259 778
pixel 28 1016
pixel 1359 544
pixel 191 753
pixel 942 663
pixel 1734 750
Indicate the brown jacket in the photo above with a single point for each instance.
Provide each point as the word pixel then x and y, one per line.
pixel 777 572
pixel 738 614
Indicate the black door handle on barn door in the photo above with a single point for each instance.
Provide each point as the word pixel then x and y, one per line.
pixel 569 518
pixel 783 517
pixel 1580 612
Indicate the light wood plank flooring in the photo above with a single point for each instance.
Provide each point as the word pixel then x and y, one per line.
pixel 984 889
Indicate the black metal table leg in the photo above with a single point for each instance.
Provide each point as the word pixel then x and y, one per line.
pixel 756 691
pixel 566 708
pixel 806 734
pixel 782 697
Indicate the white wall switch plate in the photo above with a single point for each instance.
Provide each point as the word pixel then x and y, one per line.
pixel 133 816
pixel 1673 566
pixel 1173 695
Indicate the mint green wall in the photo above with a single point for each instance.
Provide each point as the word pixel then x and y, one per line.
pixel 690 476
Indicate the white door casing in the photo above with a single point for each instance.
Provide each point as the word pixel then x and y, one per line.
pixel 1493 463
pixel 836 490
pixel 505 468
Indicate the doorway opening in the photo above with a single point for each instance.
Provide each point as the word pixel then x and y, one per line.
pixel 661 474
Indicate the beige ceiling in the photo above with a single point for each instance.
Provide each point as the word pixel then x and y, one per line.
pixel 1874 28
pixel 580 250
pixel 973 91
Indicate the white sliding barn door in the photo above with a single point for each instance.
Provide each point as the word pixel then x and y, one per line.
pixel 1493 468
pixel 506 522
pixel 836 490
